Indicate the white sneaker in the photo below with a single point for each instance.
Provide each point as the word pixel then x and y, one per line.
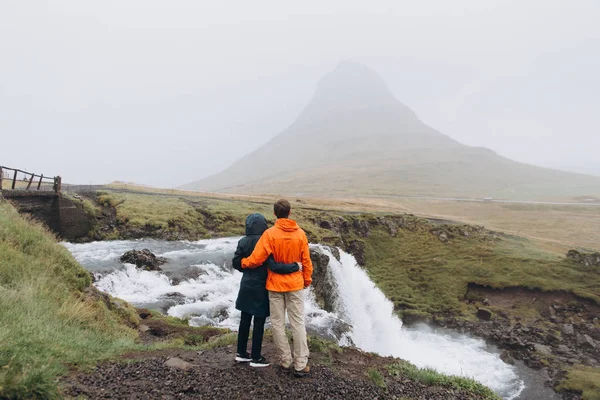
pixel 244 358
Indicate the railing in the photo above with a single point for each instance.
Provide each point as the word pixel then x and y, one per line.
pixel 28 178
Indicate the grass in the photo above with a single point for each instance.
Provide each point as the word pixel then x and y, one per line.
pixel 420 274
pixel 376 378
pixel 47 321
pixel 429 376
pixel 584 380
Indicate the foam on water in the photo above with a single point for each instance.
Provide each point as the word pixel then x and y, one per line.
pixel 209 299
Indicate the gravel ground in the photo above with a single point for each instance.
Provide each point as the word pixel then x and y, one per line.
pixel 214 375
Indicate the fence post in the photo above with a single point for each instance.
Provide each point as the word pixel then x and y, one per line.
pixel 40 181
pixel 1 177
pixel 14 180
pixel 57 184
pixel 30 180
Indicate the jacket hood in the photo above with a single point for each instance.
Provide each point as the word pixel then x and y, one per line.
pixel 286 224
pixel 256 224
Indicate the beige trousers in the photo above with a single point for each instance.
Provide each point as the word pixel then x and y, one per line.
pixel 293 302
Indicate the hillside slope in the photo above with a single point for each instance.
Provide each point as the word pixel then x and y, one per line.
pixel 355 137
pixel 50 317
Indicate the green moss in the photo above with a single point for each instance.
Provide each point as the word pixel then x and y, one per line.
pixel 584 380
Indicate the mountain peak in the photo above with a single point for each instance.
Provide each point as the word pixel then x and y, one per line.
pixel 351 87
pixel 352 78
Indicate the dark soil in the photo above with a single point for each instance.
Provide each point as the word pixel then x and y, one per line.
pixel 548 331
pixel 216 376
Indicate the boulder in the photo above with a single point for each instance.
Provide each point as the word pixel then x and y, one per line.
pixel 567 329
pixel 144 259
pixel 325 224
pixel 585 342
pixel 178 363
pixel 507 358
pixel 484 314
pixel 178 298
pixel 542 349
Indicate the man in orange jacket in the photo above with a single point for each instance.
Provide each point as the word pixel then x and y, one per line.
pixel 287 243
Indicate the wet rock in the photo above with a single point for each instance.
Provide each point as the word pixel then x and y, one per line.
pixel 323 284
pixel 336 252
pixel 144 259
pixel 587 259
pixel 484 314
pixel 357 249
pixel 221 314
pixel 507 358
pixel 178 363
pixel 178 298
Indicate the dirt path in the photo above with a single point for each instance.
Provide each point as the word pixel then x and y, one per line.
pixel 215 375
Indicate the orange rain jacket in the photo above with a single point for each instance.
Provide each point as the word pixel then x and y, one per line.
pixel 288 244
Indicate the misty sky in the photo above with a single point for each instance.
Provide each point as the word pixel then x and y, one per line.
pixel 166 92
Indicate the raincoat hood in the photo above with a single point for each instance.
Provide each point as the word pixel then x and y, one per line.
pixel 256 224
pixel 286 224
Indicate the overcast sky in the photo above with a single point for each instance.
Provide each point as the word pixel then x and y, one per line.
pixel 166 92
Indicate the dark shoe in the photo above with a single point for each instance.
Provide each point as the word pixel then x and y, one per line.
pixel 284 368
pixel 259 363
pixel 302 373
pixel 243 358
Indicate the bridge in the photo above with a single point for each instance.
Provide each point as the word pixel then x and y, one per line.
pixel 41 197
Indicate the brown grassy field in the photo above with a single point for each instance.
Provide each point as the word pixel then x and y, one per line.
pixel 558 226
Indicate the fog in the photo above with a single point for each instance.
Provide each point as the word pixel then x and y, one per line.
pixel 164 92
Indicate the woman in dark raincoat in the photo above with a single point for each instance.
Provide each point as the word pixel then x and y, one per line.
pixel 253 298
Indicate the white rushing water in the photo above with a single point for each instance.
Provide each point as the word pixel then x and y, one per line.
pixel 198 283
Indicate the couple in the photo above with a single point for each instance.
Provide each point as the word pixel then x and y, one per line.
pixel 276 268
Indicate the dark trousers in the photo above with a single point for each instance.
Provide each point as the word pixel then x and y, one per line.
pixel 257 334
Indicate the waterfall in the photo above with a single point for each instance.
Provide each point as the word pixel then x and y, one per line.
pixel 376 328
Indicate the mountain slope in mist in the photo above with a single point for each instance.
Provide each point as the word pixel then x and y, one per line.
pixel 355 137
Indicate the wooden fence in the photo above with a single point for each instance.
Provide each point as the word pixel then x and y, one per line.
pixel 26 180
